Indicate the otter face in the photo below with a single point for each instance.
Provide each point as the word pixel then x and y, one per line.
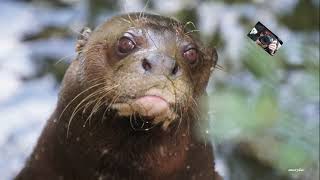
pixel 149 67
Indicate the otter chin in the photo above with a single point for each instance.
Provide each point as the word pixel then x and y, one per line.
pixel 129 106
pixel 151 108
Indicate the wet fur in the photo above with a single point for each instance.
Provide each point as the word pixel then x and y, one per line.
pixel 86 139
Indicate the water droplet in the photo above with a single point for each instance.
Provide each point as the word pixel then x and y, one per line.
pixel 36 157
pixel 105 151
pixel 140 168
pixel 162 151
pixel 135 164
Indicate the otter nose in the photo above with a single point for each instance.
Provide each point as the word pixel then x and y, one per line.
pixel 160 64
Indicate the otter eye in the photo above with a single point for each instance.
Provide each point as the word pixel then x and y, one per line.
pixel 191 55
pixel 125 45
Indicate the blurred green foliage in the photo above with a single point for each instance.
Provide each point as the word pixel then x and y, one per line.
pixel 305 17
pixel 277 134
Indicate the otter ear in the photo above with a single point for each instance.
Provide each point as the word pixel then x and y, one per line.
pixel 82 39
pixel 210 59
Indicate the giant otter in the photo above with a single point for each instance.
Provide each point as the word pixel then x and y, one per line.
pixel 129 106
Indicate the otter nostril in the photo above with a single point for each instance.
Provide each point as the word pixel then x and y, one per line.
pixel 175 69
pixel 146 65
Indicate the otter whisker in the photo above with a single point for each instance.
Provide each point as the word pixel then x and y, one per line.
pixel 78 97
pixel 195 108
pixel 87 105
pixel 189 22
pixel 141 14
pixel 96 80
pixel 102 90
pixel 192 31
pixel 189 117
pixel 131 123
pixel 154 43
pixel 219 67
pixel 125 20
pixel 110 104
pixel 180 119
pixel 99 103
pixel 194 101
pixel 142 128
pixel 94 110
pixel 113 101
pixel 77 109
pixel 63 58
pixel 130 120
pixel 175 105
pixel 131 20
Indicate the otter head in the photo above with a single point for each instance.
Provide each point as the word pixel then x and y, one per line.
pixel 147 67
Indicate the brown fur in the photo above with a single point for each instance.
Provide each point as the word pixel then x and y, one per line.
pixel 88 138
